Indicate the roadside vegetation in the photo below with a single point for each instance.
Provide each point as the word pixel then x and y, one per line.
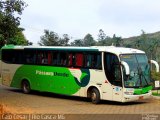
pixel 10 30
pixel 155 77
pixel 156 93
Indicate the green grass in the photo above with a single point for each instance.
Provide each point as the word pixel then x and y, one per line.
pixel 156 93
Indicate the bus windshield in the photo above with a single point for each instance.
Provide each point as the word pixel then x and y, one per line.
pixel 139 70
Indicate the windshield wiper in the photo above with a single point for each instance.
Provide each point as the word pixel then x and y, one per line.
pixel 140 73
pixel 145 79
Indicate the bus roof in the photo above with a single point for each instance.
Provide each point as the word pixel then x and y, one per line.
pixel 111 49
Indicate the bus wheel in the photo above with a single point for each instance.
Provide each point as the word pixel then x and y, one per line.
pixel 95 96
pixel 26 87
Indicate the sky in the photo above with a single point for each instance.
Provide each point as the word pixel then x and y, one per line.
pixel 125 18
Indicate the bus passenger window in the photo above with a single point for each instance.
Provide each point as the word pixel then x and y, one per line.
pixel 63 59
pixel 79 60
pixel 88 60
pixel 29 56
pixel 54 58
pixel 12 56
pixel 42 57
pixel 93 61
pixel 49 58
pixel 44 60
pixel 70 60
pixel 98 64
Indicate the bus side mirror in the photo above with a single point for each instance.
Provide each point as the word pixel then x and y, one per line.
pixel 126 67
pixel 156 64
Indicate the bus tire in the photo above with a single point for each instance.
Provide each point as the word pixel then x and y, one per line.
pixel 95 96
pixel 26 87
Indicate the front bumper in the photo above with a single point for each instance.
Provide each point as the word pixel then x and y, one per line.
pixel 129 98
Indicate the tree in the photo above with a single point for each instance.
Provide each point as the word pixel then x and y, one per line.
pixel 151 48
pixel 148 44
pixel 78 42
pixel 103 40
pixel 101 35
pixel 64 41
pixel 18 39
pixel 88 40
pixel 50 38
pixel 29 43
pixel 143 41
pixel 117 40
pixel 9 23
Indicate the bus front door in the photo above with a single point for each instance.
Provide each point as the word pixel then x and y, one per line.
pixel 113 74
pixel 117 84
pixel 117 93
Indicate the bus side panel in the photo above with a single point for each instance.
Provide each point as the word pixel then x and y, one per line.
pixel 51 79
pixel 55 79
pixel 97 78
pixel 8 71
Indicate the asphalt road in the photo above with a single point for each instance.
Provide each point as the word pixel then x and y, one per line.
pixel 41 102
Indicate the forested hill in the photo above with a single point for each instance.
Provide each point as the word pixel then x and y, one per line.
pixel 155 35
pixel 150 43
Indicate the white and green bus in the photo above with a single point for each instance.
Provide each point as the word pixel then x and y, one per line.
pixel 99 73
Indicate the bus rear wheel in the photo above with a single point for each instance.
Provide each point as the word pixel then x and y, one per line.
pixel 26 87
pixel 95 96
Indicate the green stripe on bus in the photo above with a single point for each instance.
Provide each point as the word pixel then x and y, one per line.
pixel 144 90
pixel 51 79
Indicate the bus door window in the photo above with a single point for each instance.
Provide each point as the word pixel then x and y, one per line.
pixel 117 75
pixel 112 69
